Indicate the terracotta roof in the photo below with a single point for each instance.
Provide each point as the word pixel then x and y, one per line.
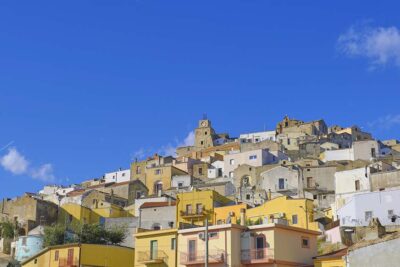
pixel 335 254
pixel 157 204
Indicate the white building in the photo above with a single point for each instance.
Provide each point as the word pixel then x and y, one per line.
pixel 257 137
pixel 216 169
pixel 181 181
pixel 361 208
pixel 118 176
pixel 364 150
pixel 255 158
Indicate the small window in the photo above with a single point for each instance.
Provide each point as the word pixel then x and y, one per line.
pixel 24 241
pixel 56 254
pixel 201 142
pixel 294 219
pixel 123 174
pixel 157 172
pixel 199 208
pixel 251 157
pixel 247 196
pixel 138 170
pixel 35 261
pixel 390 213
pixel 288 141
pixel 305 242
pixel 173 243
pixel 138 194
pixel 368 216
pixel 200 171
pixel 231 174
pixel 357 185
pixel 213 235
pixel 205 133
pixel 232 162
pixel 315 196
pixel 180 185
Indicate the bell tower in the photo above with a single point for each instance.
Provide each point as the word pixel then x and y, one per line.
pixel 204 134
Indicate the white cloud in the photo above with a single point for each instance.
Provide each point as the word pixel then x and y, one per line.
pixel 170 149
pixel 380 45
pixel 386 122
pixel 14 162
pixel 44 173
pixel 17 164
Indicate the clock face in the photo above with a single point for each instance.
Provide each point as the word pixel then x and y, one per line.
pixel 203 123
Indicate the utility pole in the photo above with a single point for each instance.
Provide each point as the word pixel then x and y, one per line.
pixel 206 239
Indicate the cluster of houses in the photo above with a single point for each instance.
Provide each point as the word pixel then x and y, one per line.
pixel 302 194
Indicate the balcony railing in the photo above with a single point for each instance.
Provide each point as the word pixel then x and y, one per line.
pixel 63 262
pixel 150 257
pixel 214 256
pixel 193 213
pixel 260 255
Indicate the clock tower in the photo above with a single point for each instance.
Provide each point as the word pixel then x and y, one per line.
pixel 204 135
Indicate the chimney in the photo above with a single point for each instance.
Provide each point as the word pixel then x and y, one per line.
pixel 269 194
pixel 243 217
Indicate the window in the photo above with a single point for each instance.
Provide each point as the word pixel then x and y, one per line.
pixel 123 174
pixel 368 216
pixel 315 196
pixel 199 208
pixel 173 243
pixel 138 194
pixel 205 133
pixel 390 214
pixel 157 172
pixel 156 226
pixel 247 196
pixel 305 242
pixel 251 157
pixel 70 257
pixel 201 142
pixel 373 152
pixel 281 184
pixel 212 235
pixel 138 170
pixel 192 250
pixel 189 209
pixel 294 219
pixel 56 254
pixel 35 261
pixel 180 184
pixel 310 182
pixel 200 171
pixel 288 141
pixel 232 162
pixel 231 174
pixel 357 185
pixel 153 249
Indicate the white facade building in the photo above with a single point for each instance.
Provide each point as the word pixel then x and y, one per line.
pixel 364 150
pixel 181 181
pixel 118 176
pixel 255 158
pixel 216 169
pixel 361 208
pixel 257 137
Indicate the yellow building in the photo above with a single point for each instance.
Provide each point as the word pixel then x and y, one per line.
pixel 72 213
pixel 82 255
pixel 332 259
pixel 155 248
pixel 232 212
pixel 269 245
pixel 297 211
pixel 108 210
pixel 194 207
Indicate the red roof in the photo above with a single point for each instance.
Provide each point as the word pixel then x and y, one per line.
pixel 157 204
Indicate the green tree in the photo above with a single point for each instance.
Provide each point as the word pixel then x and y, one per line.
pixel 54 235
pixel 116 235
pixel 7 229
pixel 97 234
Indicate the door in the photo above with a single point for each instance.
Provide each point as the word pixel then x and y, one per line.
pixel 153 249
pixel 192 250
pixel 281 183
pixel 70 257
pixel 260 245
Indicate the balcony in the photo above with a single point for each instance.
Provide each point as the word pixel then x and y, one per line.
pixel 253 256
pixel 63 262
pixel 214 257
pixel 156 257
pixel 188 214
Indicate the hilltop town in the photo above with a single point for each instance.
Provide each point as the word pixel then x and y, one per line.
pixel 302 194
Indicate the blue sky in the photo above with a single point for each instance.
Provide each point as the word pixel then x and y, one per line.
pixel 87 85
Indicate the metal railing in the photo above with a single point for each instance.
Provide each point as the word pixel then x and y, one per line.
pixel 257 255
pixel 198 257
pixel 64 262
pixel 152 256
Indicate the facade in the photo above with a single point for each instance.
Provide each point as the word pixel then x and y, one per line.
pixel 332 259
pixel 281 180
pixel 157 215
pixel 27 246
pixel 119 176
pixel 130 223
pixel 361 208
pixel 361 150
pixel 298 212
pixel 354 131
pixel 194 207
pixel 253 158
pixel 155 248
pixel 216 169
pixel 82 255
pixel 257 137
pixel 240 246
pixel 181 181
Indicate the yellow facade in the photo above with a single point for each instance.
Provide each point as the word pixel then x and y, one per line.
pixel 71 213
pixel 82 255
pixel 222 213
pixel 156 248
pixel 162 175
pixel 298 212
pixel 329 263
pixel 195 206
pixel 108 210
